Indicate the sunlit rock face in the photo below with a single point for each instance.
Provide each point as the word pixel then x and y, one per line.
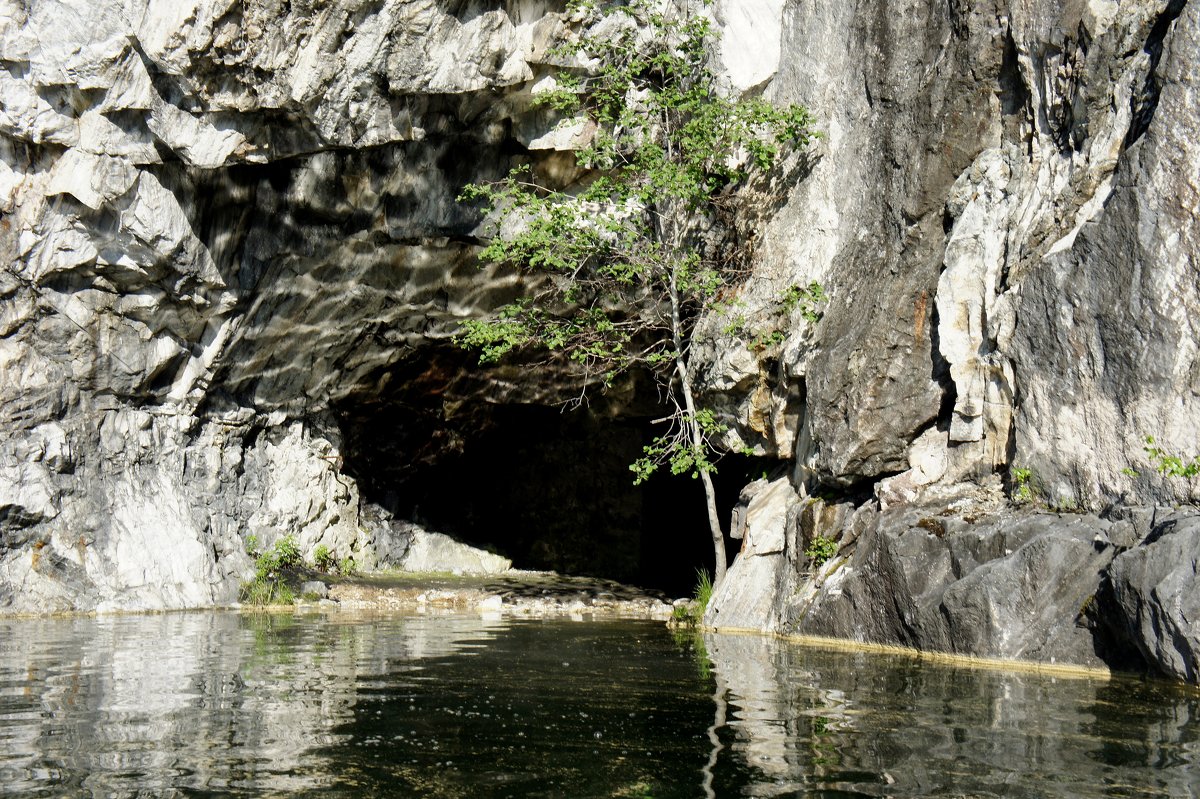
pixel 233 261
pixel 220 222
pixel 1003 207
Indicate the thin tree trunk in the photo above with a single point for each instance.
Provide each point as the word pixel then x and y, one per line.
pixel 673 238
pixel 695 433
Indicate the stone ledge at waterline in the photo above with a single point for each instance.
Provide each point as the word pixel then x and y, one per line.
pixel 517 593
pixel 973 578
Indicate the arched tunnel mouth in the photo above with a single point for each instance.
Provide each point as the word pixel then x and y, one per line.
pixel 547 486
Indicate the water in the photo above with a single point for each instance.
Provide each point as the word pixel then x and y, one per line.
pixel 220 704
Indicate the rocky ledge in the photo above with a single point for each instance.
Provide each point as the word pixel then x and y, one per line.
pixel 515 593
pixel 971 576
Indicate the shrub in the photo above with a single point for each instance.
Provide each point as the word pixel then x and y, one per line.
pixel 1171 465
pixel 268 586
pixel 689 615
pixel 323 558
pixel 821 549
pixel 1024 485
pixel 704 590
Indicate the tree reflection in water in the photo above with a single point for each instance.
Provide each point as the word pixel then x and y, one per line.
pixel 220 704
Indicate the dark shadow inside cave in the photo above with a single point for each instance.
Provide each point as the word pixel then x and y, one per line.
pixel 548 488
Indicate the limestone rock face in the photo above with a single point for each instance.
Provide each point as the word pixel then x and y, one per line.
pixel 229 239
pixel 1115 358
pixel 219 221
pixel 1003 210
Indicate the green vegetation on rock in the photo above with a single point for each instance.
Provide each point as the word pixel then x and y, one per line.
pixel 269 586
pixel 628 258
pixel 821 549
pixel 691 614
pixel 1024 485
pixel 323 558
pixel 1170 465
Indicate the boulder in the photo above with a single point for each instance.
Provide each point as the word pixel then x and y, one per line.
pixel 745 598
pixel 438 552
pixel 1156 601
pixel 314 588
pixel 1002 586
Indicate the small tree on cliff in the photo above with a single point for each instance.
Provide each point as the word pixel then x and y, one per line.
pixel 625 273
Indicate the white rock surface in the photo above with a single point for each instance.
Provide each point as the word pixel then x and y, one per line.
pixel 437 552
pixel 985 178
pixel 748 596
pixel 173 327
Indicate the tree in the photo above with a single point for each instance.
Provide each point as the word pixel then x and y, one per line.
pixel 623 263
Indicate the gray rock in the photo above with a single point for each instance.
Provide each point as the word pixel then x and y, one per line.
pixel 1008 246
pixel 777 527
pixel 206 249
pixel 1123 534
pixel 1106 361
pixel 1143 519
pixel 1157 606
pixel 438 552
pixel 998 586
pixel 1030 604
pixel 955 214
pixel 314 588
pixel 390 538
pixel 744 599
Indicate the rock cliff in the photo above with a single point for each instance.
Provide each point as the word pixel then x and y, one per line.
pixel 1005 214
pixel 220 221
pixel 231 247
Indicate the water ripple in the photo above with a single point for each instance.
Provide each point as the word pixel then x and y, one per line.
pixel 220 704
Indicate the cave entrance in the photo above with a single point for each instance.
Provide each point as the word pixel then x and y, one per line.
pixel 547 488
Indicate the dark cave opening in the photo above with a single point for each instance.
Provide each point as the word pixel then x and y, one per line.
pixel 547 488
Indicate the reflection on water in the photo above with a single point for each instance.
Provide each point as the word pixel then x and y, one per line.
pixel 812 722
pixel 219 704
